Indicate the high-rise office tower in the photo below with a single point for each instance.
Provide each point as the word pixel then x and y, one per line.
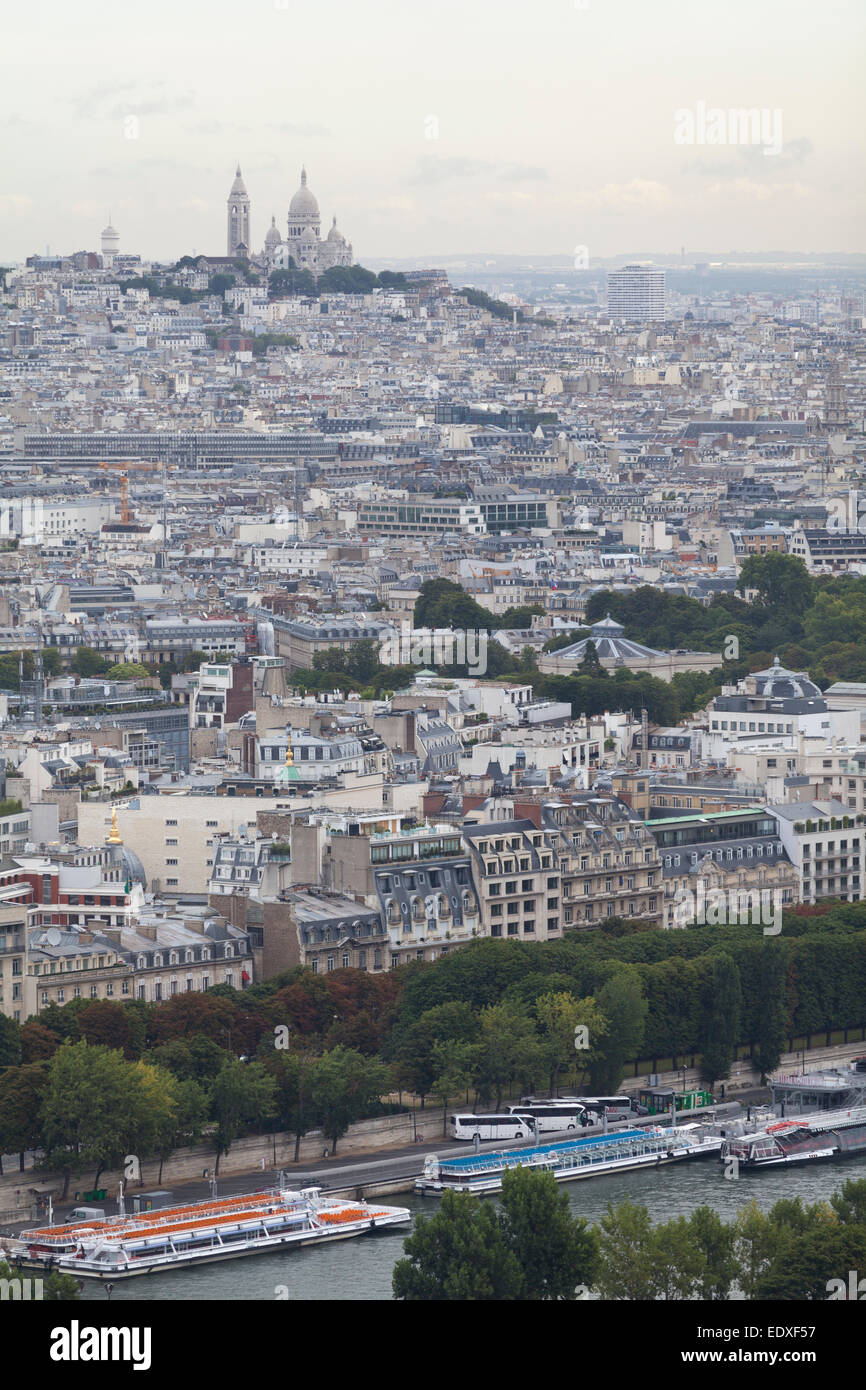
pixel 636 292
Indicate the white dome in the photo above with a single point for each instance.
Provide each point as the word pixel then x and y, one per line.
pixel 272 236
pixel 303 206
pixel 335 236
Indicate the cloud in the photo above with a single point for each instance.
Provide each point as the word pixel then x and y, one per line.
pixel 111 100
pixel 432 169
pixel 734 161
pixel 753 191
pixel 645 194
pixel 15 204
pixel 313 132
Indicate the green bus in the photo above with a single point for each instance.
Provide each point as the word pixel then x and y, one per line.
pixel 657 1099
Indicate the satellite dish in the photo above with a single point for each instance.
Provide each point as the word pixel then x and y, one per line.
pixel 53 936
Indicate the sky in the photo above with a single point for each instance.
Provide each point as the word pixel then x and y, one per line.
pixel 460 126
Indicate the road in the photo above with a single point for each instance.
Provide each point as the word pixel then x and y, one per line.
pixel 367 1170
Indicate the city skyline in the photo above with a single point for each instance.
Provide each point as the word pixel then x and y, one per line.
pixel 443 132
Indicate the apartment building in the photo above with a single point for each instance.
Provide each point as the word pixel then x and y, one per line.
pixel 517 872
pixel 166 639
pixel 420 518
pixel 419 877
pixel 161 955
pixel 736 849
pixel 297 640
pixel 174 836
pixel 826 843
pixel 608 861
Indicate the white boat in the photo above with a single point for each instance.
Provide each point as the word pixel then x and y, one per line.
pixel 199 1233
pixel 577 1158
pixel 802 1139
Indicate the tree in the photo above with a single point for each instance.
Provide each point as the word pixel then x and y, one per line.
pixel 454 1067
pixel 347 279
pixel 625 1265
pixel 242 1093
pixel 93 1105
pixel 21 1092
pixel 442 603
pixel 684 1258
pixel 80 1106
pixel 782 581
pixel 520 618
pixel 504 1027
pixel 849 1202
pixel 344 1084
pixel 720 1029
pixel 113 1024
pixel 554 1263
pixel 591 663
pixel 56 1288
pixel 772 1027
pixel 676 1263
pixel 10 1041
pixel 622 1003
pixel 283 284
pixel 195 1059
pixel 152 1125
pixel 294 1073
pixel 86 662
pixel 127 671
pixel 715 1240
pixel 560 1016
pixel 37 1042
pixel 191 1109
pixel 805 1265
pixel 460 1254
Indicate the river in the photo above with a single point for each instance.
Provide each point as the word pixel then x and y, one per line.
pixel 361 1269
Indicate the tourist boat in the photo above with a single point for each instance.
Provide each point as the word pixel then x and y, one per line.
pixel 826 1134
pixel 572 1159
pixel 200 1233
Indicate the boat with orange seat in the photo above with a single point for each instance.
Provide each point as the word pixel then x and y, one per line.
pixel 124 1247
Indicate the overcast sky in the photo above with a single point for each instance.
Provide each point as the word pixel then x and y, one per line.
pixel 446 127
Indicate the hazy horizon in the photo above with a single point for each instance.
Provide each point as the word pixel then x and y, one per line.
pixel 526 133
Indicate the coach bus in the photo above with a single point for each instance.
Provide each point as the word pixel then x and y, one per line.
pixel 552 1117
pixel 486 1127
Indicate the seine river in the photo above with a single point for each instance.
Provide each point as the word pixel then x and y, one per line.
pixel 361 1268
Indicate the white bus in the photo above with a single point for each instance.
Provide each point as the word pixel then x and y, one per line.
pixel 490 1127
pixel 617 1107
pixel 553 1117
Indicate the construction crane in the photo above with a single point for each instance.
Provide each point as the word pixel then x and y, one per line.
pixel 123 469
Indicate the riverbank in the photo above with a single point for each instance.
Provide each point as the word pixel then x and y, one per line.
pixel 393 1137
